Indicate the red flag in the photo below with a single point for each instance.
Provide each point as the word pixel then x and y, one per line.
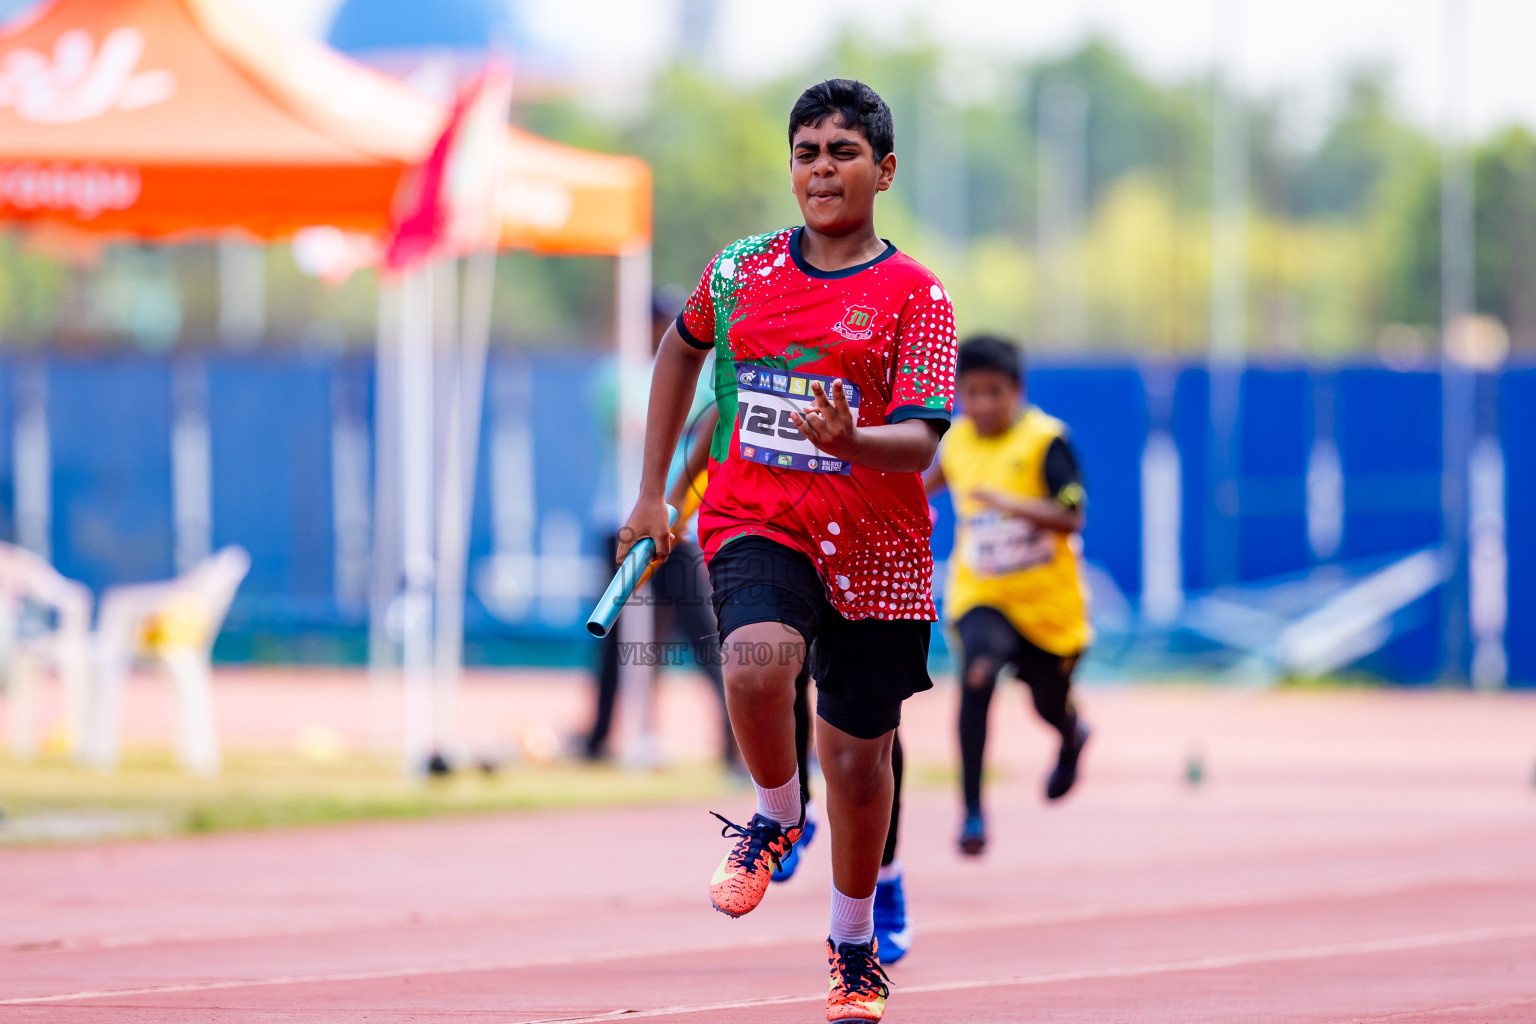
pixel 446 205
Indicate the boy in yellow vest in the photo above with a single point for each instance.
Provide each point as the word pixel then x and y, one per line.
pixel 1015 596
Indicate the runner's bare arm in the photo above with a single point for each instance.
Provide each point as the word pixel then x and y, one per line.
pixel 906 447
pixel 673 379
pixel 1043 512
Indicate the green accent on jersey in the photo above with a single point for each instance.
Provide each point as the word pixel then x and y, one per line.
pixel 722 292
pixel 796 356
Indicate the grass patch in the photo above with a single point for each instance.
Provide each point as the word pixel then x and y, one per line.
pixel 262 790
pixel 1343 681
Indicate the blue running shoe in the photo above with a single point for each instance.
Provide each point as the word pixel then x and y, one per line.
pixel 893 934
pixel 787 866
pixel 973 836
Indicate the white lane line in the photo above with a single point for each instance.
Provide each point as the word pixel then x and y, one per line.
pixel 1210 963
pixel 1066 916
pixel 1386 1018
pixel 384 974
pixel 1089 912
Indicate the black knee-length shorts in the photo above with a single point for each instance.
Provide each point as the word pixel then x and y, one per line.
pixel 864 668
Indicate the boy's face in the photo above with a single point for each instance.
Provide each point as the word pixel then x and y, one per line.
pixel 835 177
pixel 989 398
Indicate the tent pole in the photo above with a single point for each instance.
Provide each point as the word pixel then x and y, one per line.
pixel 461 457
pixel 416 506
pixel 385 584
pixel 637 626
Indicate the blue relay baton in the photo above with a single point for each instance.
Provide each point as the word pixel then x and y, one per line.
pixel 632 572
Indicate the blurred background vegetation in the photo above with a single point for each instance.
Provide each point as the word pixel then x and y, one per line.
pixel 1343 255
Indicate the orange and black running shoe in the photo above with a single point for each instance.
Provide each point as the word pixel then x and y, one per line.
pixel 859 984
pixel 742 878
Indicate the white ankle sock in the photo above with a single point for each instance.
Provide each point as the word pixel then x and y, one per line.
pixel 781 803
pixel 890 872
pixel 852 920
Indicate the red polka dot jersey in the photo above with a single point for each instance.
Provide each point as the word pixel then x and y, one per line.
pixel 885 327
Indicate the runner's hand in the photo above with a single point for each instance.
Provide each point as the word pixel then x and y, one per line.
pixel 828 423
pixel 649 519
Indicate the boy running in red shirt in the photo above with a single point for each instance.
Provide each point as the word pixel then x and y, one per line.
pixel 835 357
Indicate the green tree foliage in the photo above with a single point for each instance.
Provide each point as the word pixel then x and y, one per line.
pixel 1343 229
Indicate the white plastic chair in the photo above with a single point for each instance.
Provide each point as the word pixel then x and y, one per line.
pixel 28 582
pixel 175 624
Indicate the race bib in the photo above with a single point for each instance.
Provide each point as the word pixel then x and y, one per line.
pixel 765 397
pixel 998 544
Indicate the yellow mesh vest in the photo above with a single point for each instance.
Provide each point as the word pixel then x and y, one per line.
pixel 1004 562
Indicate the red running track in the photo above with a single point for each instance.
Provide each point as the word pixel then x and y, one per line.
pixel 1353 857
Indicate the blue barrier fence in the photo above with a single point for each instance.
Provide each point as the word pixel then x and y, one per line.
pixel 288 450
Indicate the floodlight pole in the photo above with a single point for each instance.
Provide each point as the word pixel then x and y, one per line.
pixel 1229 291
pixel 1457 383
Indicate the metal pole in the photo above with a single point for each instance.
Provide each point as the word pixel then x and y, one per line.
pixel 1162 504
pixel 31 450
pixel 1325 474
pixel 385 584
pixel 416 507
pixel 191 464
pixel 460 454
pixel 637 625
pixel 1229 291
pixel 1457 384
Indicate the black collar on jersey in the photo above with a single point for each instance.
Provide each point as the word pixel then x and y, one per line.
pixel 810 271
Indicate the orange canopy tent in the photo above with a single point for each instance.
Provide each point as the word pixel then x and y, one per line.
pixel 164 119
pixel 155 118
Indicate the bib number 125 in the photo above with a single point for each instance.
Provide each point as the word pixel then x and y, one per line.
pixel 765 399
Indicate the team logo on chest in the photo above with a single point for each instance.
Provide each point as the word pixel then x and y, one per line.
pixel 855 325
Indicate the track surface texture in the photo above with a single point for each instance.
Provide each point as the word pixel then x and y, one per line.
pixel 1350 857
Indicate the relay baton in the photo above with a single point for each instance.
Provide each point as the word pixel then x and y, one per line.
pixel 625 581
pixel 690 506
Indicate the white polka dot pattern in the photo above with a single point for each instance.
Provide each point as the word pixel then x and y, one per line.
pixel 887 328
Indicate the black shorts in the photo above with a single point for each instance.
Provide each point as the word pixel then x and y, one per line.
pixel 864 668
pixel 986 633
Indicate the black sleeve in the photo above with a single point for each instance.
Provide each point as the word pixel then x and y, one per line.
pixel 938 419
pixel 687 335
pixel 1062 479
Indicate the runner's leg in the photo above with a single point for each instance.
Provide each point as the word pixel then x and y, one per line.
pixel 1049 678
pixel 894 937
pixel 980 677
pixel 596 743
pixel 803 731
pixel 889 856
pixel 762 660
pixel 859 792
pixel 988 642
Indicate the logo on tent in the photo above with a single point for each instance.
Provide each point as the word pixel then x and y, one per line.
pixel 86 189
pixel 81 82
